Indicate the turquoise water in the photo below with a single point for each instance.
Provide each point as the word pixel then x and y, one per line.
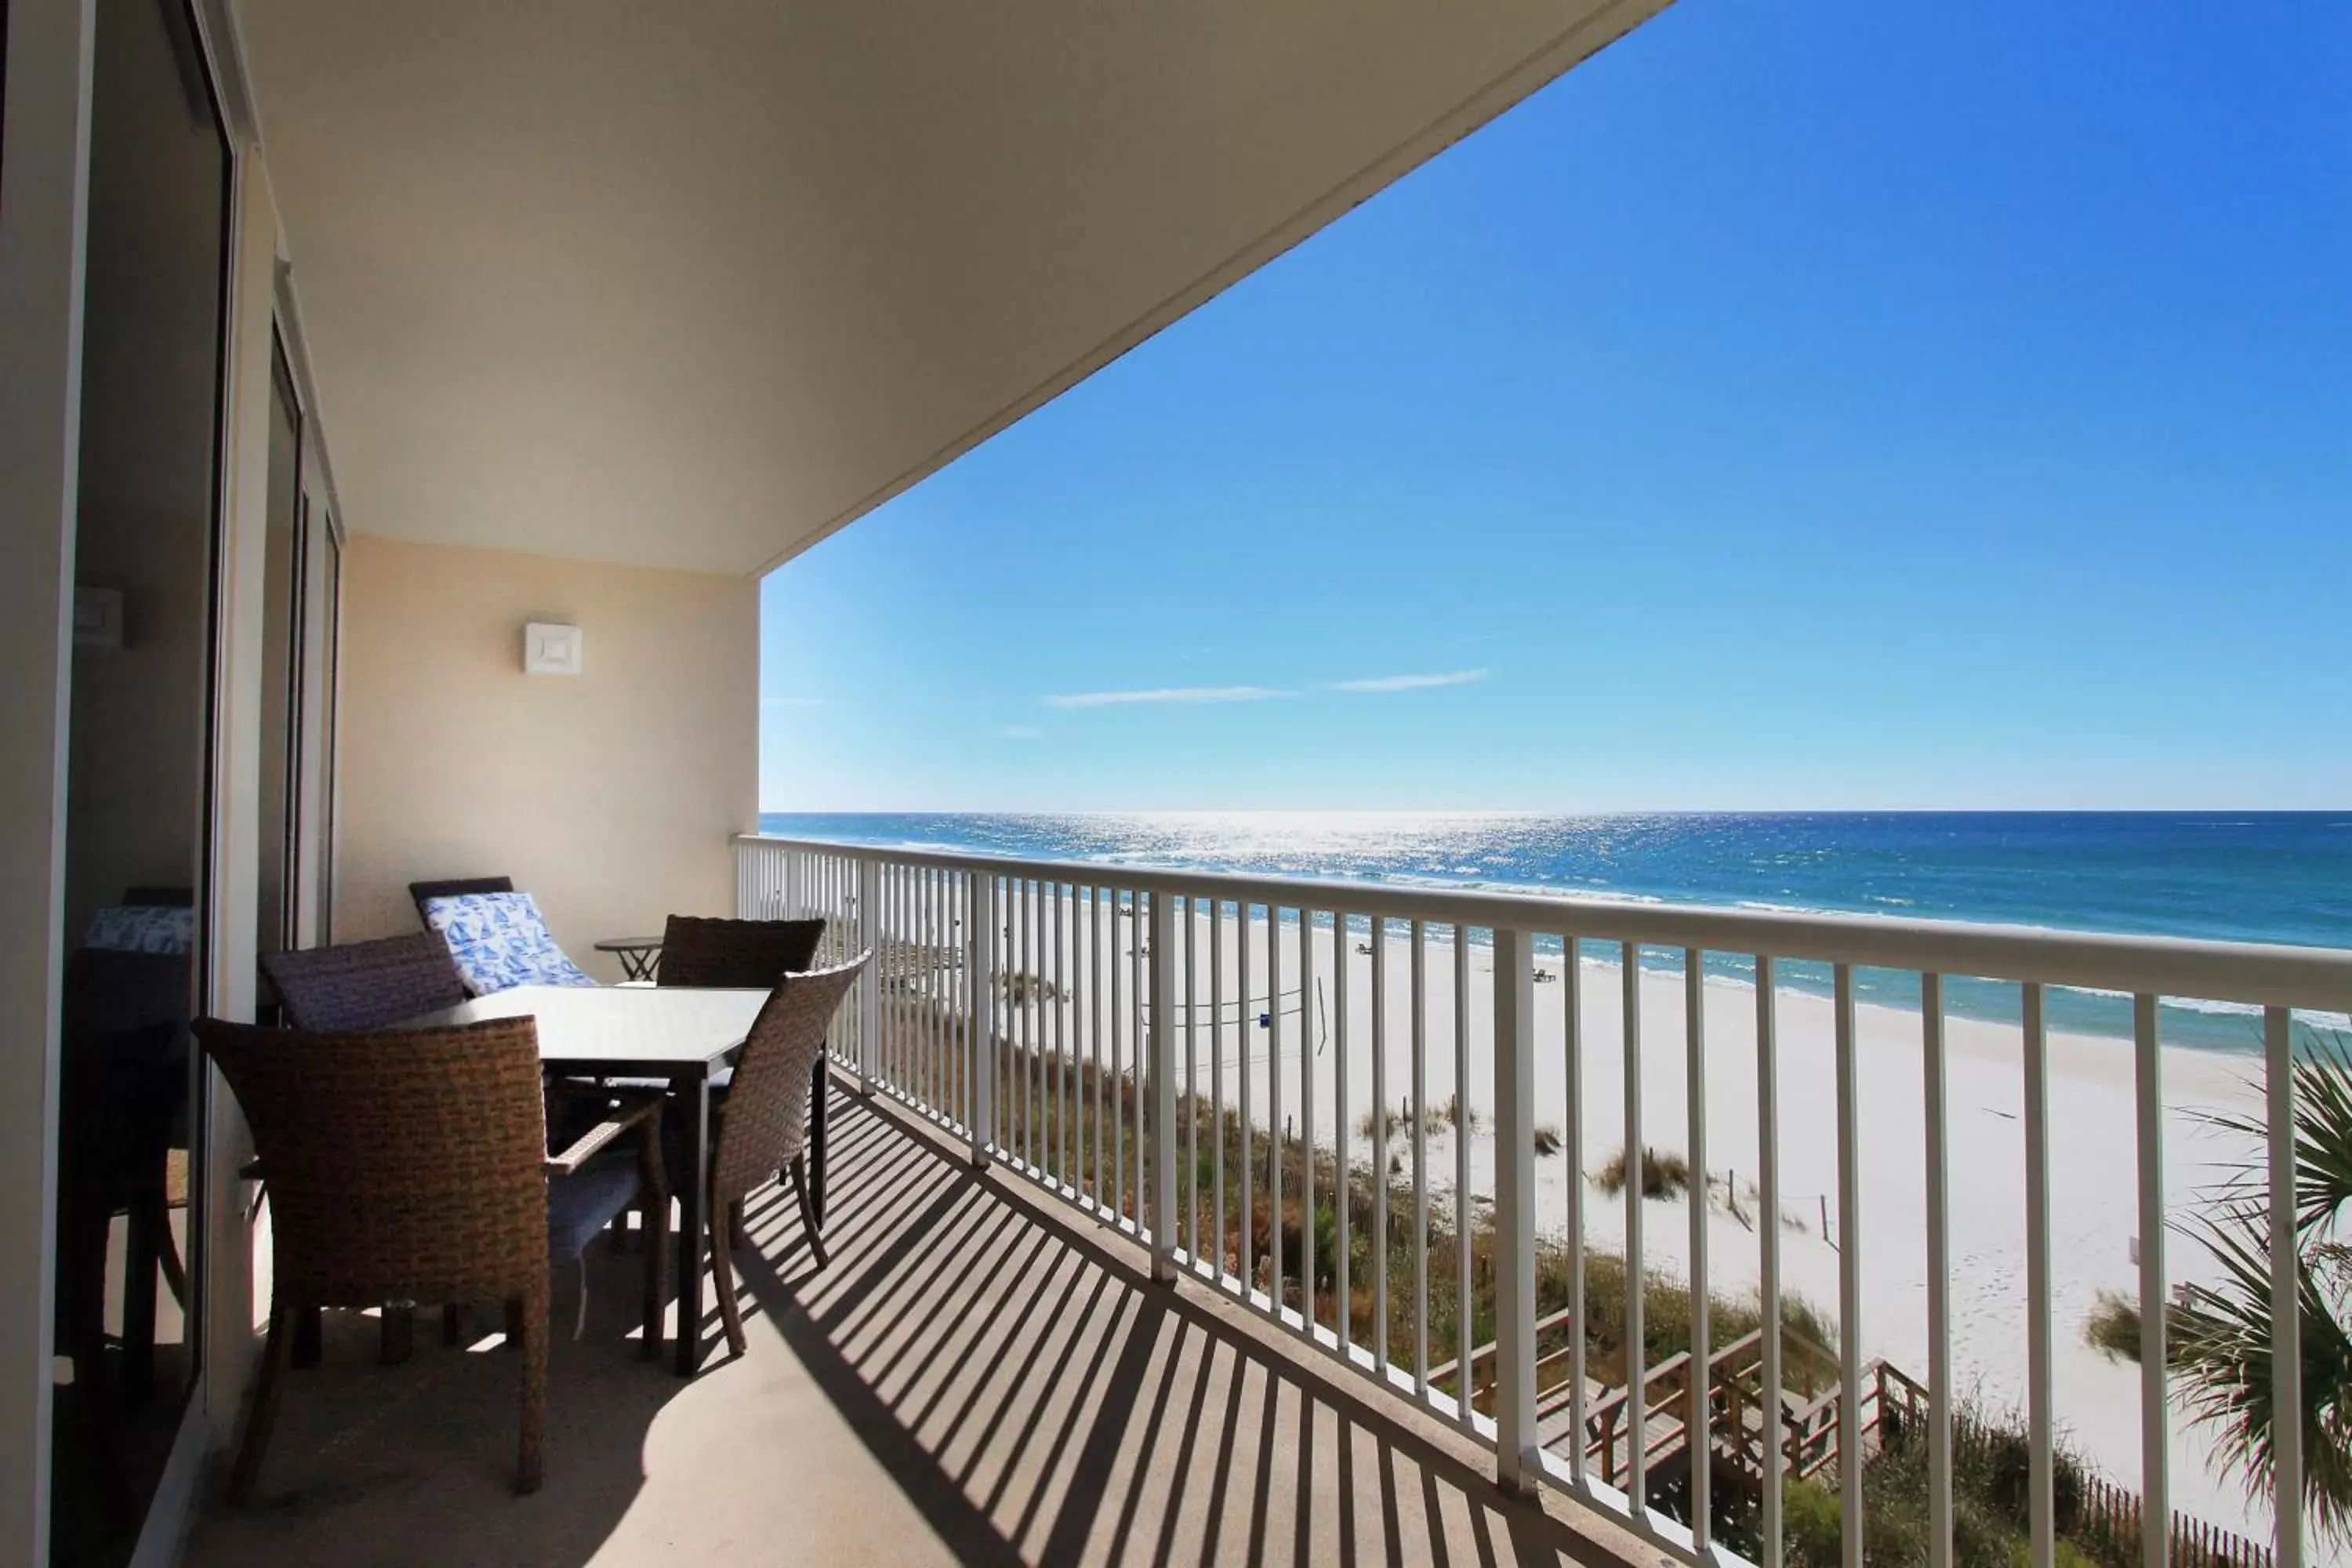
pixel 2279 877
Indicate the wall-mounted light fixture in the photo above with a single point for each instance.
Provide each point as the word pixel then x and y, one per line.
pixel 551 649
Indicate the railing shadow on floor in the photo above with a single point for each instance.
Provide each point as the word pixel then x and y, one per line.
pixel 976 1376
pixel 1037 1399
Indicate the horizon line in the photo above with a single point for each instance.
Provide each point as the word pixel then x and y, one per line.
pixel 1564 812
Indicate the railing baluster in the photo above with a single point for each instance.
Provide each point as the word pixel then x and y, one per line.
pixel 1770 1435
pixel 941 969
pixel 1464 1317
pixel 980 922
pixel 2156 1445
pixel 1571 1002
pixel 910 1022
pixel 2042 1505
pixel 1849 1131
pixel 1379 1185
pixel 935 976
pixel 1342 1307
pixel 1274 1103
pixel 1095 1003
pixel 1117 1057
pixel 1189 917
pixel 1163 1086
pixel 1306 1115
pixel 1246 1056
pixel 1012 1110
pixel 1136 996
pixel 892 962
pixel 2286 1299
pixel 1637 1393
pixel 1049 1035
pixel 1041 1123
pixel 960 904
pixel 1939 1275
pixel 870 994
pixel 1034 1078
pixel 937 980
pixel 914 1082
pixel 1014 920
pixel 1065 1043
pixel 1419 1023
pixel 932 1093
pixel 1697 1438
pixel 1517 1448
pixel 1217 1084
pixel 909 935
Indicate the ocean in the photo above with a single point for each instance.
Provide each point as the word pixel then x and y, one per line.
pixel 2276 877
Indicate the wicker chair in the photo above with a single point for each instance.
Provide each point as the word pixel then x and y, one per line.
pixel 764 1126
pixel 413 1166
pixel 746 954
pixel 365 984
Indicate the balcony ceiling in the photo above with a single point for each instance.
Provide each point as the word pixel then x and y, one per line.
pixel 695 283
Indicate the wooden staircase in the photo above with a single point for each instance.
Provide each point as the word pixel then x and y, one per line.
pixel 1807 1426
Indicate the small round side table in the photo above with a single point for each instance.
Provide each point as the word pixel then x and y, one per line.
pixel 640 956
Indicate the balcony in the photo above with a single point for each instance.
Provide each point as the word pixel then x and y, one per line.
pixel 1062 1323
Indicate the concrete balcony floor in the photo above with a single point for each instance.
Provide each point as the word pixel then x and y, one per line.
pixel 978 1376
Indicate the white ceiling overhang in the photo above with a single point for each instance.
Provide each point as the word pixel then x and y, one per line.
pixel 693 283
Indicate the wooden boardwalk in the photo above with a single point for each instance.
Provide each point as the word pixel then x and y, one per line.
pixel 1807 1425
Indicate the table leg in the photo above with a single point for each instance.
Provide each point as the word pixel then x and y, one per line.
pixel 694 1209
pixel 817 1118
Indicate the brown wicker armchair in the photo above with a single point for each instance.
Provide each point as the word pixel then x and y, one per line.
pixel 413 1166
pixel 764 1127
pixel 744 954
pixel 365 984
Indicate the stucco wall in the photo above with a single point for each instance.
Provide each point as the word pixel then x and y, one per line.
pixel 609 795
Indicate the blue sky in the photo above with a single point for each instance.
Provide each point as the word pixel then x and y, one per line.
pixel 1835 405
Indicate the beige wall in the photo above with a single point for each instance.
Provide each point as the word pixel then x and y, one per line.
pixel 609 795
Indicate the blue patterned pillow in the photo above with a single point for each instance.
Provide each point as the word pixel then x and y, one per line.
pixel 499 942
pixel 142 928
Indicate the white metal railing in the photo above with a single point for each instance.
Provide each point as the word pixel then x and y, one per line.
pixel 1172 1053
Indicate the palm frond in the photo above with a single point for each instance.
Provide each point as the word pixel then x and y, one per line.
pixel 2323 1137
pixel 2220 1345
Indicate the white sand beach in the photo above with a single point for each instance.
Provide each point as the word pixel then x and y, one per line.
pixel 2092 1191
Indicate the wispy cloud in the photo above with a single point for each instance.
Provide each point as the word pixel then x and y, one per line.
pixel 1021 733
pixel 1409 682
pixel 1163 694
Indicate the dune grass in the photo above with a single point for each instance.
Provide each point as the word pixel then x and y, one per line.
pixel 1663 1176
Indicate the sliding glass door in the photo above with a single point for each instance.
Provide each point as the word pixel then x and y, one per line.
pixel 301 596
pixel 139 773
